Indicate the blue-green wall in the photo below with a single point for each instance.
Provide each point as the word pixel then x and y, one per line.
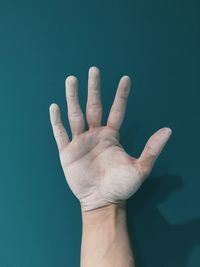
pixel 156 43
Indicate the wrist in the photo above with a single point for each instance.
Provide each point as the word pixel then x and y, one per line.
pixel 113 212
pixel 104 236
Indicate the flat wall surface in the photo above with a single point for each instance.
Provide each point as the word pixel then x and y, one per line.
pixel 157 44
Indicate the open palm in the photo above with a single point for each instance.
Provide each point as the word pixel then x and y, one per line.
pixel 97 168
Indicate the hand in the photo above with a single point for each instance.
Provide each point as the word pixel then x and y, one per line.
pixel 97 168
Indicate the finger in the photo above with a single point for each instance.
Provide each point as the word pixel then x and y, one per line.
pixel 75 114
pixel 153 148
pixel 94 107
pixel 118 108
pixel 59 131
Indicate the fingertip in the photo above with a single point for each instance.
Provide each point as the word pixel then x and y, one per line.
pixel 54 111
pixel 53 108
pixel 71 80
pixel 127 77
pixel 94 70
pixel 167 130
pixel 126 80
pixel 170 130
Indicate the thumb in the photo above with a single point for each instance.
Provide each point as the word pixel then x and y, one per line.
pixel 153 148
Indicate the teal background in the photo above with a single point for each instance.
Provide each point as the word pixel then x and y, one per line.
pixel 157 44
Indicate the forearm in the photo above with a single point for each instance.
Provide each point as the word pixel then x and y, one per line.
pixel 105 241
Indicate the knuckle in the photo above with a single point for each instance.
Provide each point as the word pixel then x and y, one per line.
pixel 95 107
pixel 74 114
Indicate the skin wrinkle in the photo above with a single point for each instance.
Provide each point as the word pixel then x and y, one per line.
pixel 100 172
pixel 99 140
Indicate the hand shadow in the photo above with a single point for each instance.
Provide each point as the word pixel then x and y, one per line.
pixel 155 241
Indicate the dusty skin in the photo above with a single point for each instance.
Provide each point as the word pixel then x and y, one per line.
pixel 96 167
pixel 98 170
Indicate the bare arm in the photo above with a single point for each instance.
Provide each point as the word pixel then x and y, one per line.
pixel 99 171
pixel 105 240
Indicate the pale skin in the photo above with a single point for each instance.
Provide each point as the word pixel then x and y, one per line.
pixel 99 171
